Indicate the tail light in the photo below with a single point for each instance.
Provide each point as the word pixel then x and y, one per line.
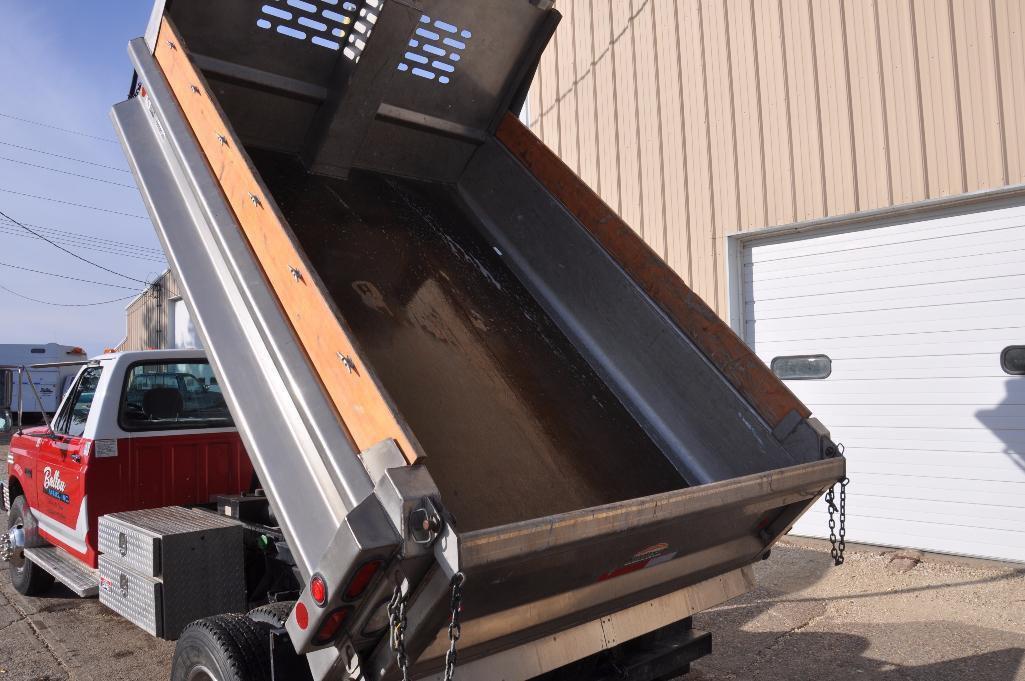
pixel 318 590
pixel 361 580
pixel 331 626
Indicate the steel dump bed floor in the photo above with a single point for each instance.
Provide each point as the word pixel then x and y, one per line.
pixel 515 423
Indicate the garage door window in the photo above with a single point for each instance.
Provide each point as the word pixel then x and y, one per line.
pixel 1012 359
pixel 802 367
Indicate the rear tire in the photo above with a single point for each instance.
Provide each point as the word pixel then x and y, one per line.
pixel 28 578
pixel 223 648
pixel 287 663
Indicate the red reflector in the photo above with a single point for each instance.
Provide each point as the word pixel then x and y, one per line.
pixel 302 616
pixel 361 580
pixel 318 590
pixel 332 624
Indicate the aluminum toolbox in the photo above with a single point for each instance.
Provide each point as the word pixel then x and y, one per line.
pixel 135 597
pixel 164 568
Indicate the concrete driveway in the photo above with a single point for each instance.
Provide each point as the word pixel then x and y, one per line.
pixel 878 617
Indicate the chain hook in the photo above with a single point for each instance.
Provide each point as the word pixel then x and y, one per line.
pixel 397 629
pixel 397 622
pixel 837 539
pixel 455 631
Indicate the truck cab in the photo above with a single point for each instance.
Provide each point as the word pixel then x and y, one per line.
pixel 136 430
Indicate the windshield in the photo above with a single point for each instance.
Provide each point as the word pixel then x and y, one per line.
pixel 168 396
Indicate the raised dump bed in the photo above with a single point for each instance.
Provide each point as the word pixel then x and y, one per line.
pixel 375 253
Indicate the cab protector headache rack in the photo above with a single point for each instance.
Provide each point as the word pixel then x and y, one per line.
pixel 444 353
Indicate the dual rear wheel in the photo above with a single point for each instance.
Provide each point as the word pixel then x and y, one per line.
pixel 238 648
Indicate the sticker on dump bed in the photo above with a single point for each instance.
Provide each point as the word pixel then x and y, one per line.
pixel 645 558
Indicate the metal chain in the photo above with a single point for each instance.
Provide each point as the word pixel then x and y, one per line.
pixel 397 630
pixel 838 543
pixel 454 627
pixel 397 622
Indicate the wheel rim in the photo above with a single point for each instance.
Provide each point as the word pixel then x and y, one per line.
pixel 17 560
pixel 201 673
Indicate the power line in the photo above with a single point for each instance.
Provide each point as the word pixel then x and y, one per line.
pixel 72 242
pixel 54 127
pixel 12 231
pixel 64 276
pixel 77 205
pixel 66 158
pixel 74 255
pixel 67 172
pixel 49 302
pixel 87 238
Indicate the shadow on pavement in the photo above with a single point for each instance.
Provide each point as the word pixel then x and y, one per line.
pixel 767 635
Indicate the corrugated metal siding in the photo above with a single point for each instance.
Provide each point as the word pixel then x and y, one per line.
pixel 148 318
pixel 699 118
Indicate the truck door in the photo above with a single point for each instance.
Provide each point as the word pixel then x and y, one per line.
pixel 61 467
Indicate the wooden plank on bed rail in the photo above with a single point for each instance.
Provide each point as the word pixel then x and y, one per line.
pixel 365 409
pixel 748 374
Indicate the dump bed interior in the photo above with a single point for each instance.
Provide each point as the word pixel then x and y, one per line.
pixel 507 343
pixel 515 423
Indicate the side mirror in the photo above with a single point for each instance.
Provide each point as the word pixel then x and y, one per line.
pixel 6 422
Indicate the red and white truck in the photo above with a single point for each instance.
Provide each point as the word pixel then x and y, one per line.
pixel 136 430
pixel 485 417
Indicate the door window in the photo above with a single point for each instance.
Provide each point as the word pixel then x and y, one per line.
pixel 75 414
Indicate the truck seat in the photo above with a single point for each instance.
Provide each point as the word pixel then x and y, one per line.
pixel 162 403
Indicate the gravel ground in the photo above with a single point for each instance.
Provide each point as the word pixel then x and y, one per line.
pixel 884 615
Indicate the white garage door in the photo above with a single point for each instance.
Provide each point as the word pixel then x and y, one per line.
pixel 914 318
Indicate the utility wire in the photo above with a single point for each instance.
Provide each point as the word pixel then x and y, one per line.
pixel 77 205
pixel 74 255
pixel 66 158
pixel 67 172
pixel 54 127
pixel 11 230
pixel 73 234
pixel 64 276
pixel 119 246
pixel 49 302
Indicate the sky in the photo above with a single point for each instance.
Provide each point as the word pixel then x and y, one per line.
pixel 64 63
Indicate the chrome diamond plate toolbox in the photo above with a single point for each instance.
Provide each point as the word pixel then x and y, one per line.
pixel 191 557
pixel 135 597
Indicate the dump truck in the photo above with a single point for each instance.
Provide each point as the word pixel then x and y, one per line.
pixel 497 436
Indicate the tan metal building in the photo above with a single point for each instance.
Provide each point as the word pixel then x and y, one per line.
pixel 157 318
pixel 842 180
pixel 701 118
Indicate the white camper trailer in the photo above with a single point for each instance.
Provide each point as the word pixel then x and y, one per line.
pixel 50 383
